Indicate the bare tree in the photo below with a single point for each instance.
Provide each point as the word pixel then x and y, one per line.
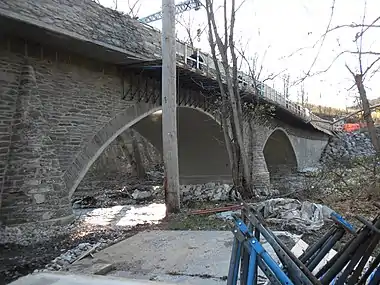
pixel 359 75
pixel 133 157
pixel 234 112
pixel 187 22
pixel 134 8
pixel 137 156
pixel 121 139
pixel 360 72
pixel 188 25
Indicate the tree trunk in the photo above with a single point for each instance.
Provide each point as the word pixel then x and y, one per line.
pixel 137 156
pixel 146 152
pixel 127 154
pixel 230 93
pixel 367 113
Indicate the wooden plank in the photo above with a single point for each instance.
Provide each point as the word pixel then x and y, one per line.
pixel 88 252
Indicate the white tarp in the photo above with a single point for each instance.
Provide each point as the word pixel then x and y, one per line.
pixel 291 213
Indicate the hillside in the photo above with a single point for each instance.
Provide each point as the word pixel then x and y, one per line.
pixel 327 113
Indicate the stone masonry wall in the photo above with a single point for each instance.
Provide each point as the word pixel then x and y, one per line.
pixel 9 82
pixel 59 106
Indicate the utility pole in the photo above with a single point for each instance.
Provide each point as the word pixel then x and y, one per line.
pixel 169 108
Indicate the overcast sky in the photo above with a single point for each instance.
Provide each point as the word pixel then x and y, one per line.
pixel 279 28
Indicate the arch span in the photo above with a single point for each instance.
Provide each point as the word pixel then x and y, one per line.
pixel 279 154
pixel 201 148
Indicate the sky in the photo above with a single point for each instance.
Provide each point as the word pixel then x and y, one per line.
pixel 281 35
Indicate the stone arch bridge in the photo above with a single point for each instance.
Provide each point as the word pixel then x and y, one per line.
pixel 64 97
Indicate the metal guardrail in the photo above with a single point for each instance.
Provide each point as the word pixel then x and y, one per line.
pixel 203 62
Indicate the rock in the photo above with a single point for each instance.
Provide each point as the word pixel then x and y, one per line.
pixel 206 192
pixel 141 195
pixel 349 145
pixel 83 246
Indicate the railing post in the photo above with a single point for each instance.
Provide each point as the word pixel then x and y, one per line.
pixel 185 53
pixel 197 58
pixel 207 64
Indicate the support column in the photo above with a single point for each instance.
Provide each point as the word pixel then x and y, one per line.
pixel 255 140
pixel 34 190
pixel 261 178
pixel 169 107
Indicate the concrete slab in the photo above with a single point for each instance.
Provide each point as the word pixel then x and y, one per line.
pixel 71 279
pixel 185 257
pixel 193 257
pixel 169 257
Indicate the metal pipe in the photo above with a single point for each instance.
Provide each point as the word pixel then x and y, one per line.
pixel 372 267
pixel 268 273
pixel 376 278
pixel 344 258
pixel 312 249
pixel 359 269
pixel 352 262
pixel 322 253
pixel 234 263
pixel 257 236
pixel 270 262
pixel 294 266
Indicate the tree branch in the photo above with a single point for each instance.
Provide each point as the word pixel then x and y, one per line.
pixel 372 25
pixel 361 40
pixel 322 42
pixel 371 65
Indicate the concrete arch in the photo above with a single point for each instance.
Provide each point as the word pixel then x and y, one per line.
pixel 279 153
pixel 200 160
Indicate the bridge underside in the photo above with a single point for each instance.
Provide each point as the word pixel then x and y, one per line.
pixel 201 148
pixel 279 155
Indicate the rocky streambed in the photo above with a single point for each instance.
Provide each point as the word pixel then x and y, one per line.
pixel 28 248
pixel 102 220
